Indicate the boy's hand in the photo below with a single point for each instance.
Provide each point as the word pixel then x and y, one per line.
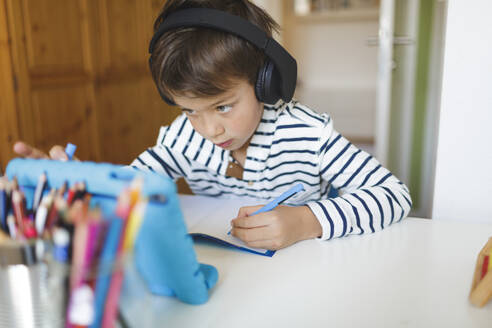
pixel 276 229
pixel 56 152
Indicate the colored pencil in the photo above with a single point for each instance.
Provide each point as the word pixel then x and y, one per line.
pixel 18 207
pixel 38 192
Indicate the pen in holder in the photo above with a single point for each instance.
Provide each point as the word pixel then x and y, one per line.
pixel 481 290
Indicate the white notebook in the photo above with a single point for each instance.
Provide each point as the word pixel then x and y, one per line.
pixel 211 217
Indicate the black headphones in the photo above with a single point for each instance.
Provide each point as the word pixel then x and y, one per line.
pixel 276 78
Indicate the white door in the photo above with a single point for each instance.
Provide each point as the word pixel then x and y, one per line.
pixel 409 77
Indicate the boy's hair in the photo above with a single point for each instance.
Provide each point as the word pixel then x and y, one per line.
pixel 203 62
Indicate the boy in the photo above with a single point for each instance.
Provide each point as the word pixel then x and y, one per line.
pixel 235 139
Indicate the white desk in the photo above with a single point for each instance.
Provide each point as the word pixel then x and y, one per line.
pixel 416 273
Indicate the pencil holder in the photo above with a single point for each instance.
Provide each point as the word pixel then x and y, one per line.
pixel 163 252
pixel 35 288
pixel 32 292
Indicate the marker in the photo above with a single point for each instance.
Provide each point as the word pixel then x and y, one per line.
pixel 274 203
pixel 70 150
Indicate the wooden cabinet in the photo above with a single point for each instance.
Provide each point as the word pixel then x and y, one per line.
pixel 77 71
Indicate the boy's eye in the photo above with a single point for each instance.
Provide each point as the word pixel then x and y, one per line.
pixel 224 108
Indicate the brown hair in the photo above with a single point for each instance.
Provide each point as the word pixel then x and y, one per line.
pixel 203 62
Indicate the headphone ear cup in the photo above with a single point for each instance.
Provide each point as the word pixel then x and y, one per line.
pixel 268 83
pixel 260 83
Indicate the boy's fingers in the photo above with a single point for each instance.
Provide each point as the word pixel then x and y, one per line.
pixel 252 235
pixel 249 222
pixel 58 153
pixel 248 210
pixel 26 150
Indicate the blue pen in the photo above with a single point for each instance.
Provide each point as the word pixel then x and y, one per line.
pixel 274 203
pixel 286 195
pixel 70 150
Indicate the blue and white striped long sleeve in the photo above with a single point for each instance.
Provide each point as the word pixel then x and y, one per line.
pixel 163 159
pixel 371 197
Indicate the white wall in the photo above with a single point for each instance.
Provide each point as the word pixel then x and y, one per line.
pixel 272 7
pixel 463 184
pixel 337 71
pixel 334 54
pixel 275 9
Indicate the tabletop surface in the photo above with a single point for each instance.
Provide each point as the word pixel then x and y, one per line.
pixel 416 273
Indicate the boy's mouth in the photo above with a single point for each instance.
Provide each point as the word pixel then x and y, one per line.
pixel 225 144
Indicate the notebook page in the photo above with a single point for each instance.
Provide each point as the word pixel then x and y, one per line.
pixel 212 216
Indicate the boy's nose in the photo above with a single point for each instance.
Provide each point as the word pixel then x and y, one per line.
pixel 213 128
pixel 216 130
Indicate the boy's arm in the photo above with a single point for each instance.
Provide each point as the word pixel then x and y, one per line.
pixel 371 198
pixel 162 160
pixel 166 157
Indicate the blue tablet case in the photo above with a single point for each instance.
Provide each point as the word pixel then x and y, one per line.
pixel 163 253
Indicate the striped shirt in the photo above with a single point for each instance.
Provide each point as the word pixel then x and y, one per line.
pixel 292 144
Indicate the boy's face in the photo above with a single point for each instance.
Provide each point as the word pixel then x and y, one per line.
pixel 229 119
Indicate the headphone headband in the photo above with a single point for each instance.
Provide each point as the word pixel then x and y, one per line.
pixel 220 20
